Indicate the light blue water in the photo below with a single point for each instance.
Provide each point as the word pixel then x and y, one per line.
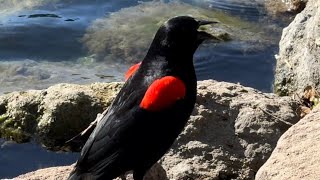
pixel 38 52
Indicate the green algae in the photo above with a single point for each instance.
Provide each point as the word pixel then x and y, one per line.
pixel 9 122
pixel 13 134
pixel 127 34
pixel 11 130
pixel 17 121
pixel 3 118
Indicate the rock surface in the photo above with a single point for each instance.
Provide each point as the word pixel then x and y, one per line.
pixel 54 115
pixel 230 134
pixel 62 173
pixel 298 60
pixel 52 173
pixel 277 7
pixel 296 155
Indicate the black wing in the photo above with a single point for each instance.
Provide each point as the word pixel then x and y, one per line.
pixel 106 144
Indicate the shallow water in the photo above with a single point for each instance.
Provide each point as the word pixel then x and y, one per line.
pixel 19 158
pixel 51 45
pixel 36 52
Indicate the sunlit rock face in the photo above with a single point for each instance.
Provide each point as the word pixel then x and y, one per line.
pixel 299 53
pixel 127 34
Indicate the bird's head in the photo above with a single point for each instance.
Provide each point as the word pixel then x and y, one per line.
pixel 180 35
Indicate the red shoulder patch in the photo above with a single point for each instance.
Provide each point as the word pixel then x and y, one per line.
pixel 163 93
pixel 132 70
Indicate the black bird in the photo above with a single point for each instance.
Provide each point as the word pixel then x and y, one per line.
pixel 150 110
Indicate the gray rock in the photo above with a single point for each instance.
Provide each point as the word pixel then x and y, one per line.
pixel 277 7
pixel 54 115
pixel 230 134
pixel 297 153
pixel 62 173
pixel 298 60
pixel 52 173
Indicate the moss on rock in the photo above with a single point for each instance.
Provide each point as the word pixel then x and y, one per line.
pixel 54 115
pixel 14 134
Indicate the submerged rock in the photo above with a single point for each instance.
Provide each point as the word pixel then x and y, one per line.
pixel 127 34
pixel 298 60
pixel 43 15
pixel 231 133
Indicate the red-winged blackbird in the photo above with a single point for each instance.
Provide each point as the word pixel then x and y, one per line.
pixel 151 109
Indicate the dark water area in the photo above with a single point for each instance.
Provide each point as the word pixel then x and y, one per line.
pixel 41 45
pixel 230 62
pixel 16 159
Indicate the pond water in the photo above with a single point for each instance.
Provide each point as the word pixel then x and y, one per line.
pixel 47 42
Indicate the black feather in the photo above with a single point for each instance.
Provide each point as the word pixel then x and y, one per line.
pixel 129 137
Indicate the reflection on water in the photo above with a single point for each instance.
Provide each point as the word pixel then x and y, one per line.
pixel 42 42
pixel 234 63
pixel 248 9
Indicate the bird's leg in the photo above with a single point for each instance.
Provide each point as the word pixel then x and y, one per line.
pixel 138 175
pixel 86 133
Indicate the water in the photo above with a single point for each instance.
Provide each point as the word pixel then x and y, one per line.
pixel 84 39
pixel 20 158
pixel 38 52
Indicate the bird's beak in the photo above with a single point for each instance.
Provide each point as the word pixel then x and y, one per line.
pixel 204 22
pixel 202 35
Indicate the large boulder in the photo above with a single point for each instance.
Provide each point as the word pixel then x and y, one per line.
pixel 54 115
pixel 298 60
pixel 296 155
pixel 231 133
